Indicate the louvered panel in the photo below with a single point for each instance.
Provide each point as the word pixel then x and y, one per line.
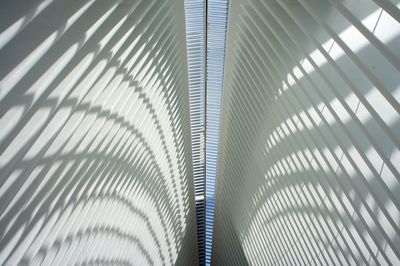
pixel 217 15
pixel 196 43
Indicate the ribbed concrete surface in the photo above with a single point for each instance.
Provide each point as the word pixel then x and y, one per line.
pixel 95 134
pixel 309 149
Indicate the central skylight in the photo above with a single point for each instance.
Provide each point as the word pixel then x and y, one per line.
pixel 217 16
pixel 206 24
pixel 196 53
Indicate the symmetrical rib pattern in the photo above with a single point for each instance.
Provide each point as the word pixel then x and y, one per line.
pixel 196 46
pixel 217 15
pixel 309 151
pixel 95 134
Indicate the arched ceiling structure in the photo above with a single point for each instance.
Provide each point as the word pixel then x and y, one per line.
pixel 95 134
pixel 308 170
pixel 185 132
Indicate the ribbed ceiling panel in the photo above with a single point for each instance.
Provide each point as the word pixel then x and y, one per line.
pixel 196 43
pixel 309 151
pixel 95 134
pixel 217 15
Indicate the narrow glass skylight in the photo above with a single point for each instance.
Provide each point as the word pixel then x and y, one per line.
pixel 217 15
pixel 206 23
pixel 196 53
